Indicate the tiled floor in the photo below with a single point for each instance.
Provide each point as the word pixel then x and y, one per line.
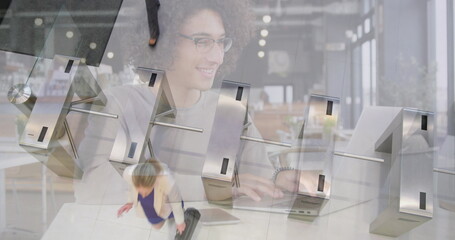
pixel 76 221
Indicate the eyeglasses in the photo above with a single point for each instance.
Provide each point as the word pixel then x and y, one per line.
pixel 204 45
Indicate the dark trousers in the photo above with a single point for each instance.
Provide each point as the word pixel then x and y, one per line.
pixel 152 16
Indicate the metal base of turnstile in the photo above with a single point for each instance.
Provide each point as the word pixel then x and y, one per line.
pixel 58 161
pixel 218 192
pixel 307 208
pixel 447 205
pixel 393 224
pixel 119 166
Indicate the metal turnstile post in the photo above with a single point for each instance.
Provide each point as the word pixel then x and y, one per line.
pixel 406 200
pixel 315 166
pixel 47 110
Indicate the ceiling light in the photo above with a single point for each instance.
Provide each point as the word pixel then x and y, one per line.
pixel 38 21
pixel 262 42
pixel 69 34
pixel 354 38
pixel 261 54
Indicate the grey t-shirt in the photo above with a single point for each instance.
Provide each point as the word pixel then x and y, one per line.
pixel 183 151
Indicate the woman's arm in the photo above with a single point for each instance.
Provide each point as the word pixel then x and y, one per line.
pixel 255 170
pixel 132 193
pixel 124 208
pixel 173 196
pixel 177 209
pixel 128 177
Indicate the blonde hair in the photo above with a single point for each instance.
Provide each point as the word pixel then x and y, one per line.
pixel 144 174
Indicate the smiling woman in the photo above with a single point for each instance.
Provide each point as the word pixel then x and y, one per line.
pixel 194 67
pixel 200 42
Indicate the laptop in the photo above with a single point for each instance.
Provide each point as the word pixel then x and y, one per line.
pixel 308 202
pixel 267 204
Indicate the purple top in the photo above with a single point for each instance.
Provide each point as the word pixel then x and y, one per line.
pixel 149 209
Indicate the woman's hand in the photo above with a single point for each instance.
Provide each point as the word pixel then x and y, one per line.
pixel 255 187
pixel 124 208
pixel 304 181
pixel 181 228
pixel 288 180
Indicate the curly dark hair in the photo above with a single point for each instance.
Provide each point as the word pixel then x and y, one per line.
pixel 237 18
